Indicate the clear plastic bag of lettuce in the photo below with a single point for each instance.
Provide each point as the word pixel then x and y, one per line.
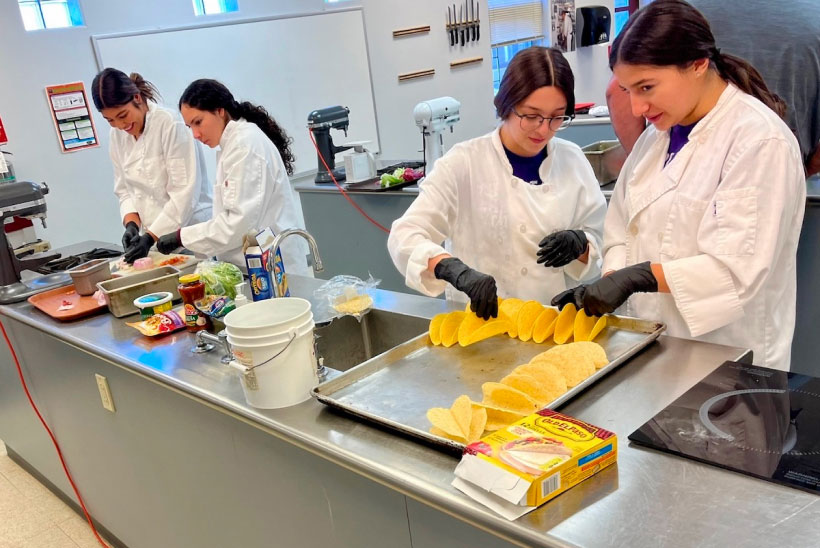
pixel 220 278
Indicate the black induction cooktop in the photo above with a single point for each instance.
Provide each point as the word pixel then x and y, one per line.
pixel 753 420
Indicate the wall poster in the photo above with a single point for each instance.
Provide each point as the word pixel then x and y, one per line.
pixel 72 120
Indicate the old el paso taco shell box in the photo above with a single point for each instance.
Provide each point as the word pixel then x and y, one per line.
pixel 537 458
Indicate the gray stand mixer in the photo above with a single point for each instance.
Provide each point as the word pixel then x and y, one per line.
pixel 320 122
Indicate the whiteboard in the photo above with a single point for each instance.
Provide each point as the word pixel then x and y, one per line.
pixel 290 65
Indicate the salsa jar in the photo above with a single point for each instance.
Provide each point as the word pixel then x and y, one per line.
pixel 191 289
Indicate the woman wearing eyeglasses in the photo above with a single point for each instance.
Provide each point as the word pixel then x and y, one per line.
pixel 703 226
pixel 516 212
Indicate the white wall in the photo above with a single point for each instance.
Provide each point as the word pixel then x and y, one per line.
pixel 81 205
pixel 472 85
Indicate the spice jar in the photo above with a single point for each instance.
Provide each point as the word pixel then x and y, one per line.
pixel 191 289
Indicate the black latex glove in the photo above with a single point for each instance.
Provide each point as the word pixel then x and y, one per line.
pixel 478 286
pixel 132 232
pixel 139 248
pixel 562 247
pixel 169 243
pixel 610 292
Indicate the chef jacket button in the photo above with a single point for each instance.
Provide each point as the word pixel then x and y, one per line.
pixel 507 258
pixel 522 228
pixel 524 271
pixel 633 230
pixel 660 236
pixel 514 183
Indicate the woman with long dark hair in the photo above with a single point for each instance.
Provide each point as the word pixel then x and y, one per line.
pixel 521 207
pixel 252 190
pixel 703 225
pixel 159 170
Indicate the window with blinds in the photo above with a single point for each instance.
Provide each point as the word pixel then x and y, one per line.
pixel 513 21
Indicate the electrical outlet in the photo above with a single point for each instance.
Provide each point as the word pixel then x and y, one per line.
pixel 105 393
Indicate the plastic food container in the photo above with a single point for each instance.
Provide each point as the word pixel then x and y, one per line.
pixel 154 303
pixel 120 292
pixel 87 275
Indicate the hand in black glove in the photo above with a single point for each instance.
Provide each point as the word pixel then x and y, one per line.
pixel 478 286
pixel 132 232
pixel 610 292
pixel 139 248
pixel 169 243
pixel 562 247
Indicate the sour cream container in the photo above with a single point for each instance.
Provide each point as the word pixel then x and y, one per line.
pixel 153 303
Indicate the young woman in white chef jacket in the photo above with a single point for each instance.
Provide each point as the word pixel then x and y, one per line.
pixel 159 170
pixel 520 207
pixel 252 190
pixel 703 225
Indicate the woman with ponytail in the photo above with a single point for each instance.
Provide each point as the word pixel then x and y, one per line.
pixel 252 190
pixel 159 169
pixel 702 229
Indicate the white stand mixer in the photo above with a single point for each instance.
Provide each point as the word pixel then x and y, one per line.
pixel 433 117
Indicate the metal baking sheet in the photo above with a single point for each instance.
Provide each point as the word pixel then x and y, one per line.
pixel 396 388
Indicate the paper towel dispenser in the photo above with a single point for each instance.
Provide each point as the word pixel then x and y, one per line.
pixel 593 24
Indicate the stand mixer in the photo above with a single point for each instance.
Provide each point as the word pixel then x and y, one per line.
pixel 23 199
pixel 433 117
pixel 320 122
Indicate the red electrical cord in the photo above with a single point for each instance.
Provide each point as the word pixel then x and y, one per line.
pixel 354 204
pixel 53 439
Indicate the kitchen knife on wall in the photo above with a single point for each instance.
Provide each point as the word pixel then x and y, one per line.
pixel 455 26
pixel 461 22
pixel 477 20
pixel 472 19
pixel 450 33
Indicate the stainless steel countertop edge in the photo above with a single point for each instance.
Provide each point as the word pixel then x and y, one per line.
pixel 433 495
pixel 423 476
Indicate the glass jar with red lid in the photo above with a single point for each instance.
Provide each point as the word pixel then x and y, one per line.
pixel 191 289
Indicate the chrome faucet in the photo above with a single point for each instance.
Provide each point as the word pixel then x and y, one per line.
pixel 205 343
pixel 314 251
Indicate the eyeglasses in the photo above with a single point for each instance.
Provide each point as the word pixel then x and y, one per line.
pixel 530 122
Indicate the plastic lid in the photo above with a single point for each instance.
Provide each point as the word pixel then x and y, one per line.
pixel 188 278
pixel 153 299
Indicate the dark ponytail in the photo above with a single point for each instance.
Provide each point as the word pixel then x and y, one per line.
pixel 742 74
pixel 111 88
pixel 259 116
pixel 210 95
pixel 673 33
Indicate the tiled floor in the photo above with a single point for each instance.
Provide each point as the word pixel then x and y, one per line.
pixel 32 517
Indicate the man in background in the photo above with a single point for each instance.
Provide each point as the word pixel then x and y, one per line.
pixel 782 40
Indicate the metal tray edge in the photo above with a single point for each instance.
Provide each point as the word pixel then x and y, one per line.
pixel 324 391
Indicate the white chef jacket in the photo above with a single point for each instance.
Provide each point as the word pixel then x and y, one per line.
pixel 161 175
pixel 493 221
pixel 251 192
pixel 723 218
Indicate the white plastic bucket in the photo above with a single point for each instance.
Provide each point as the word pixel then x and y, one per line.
pixel 278 369
pixel 268 317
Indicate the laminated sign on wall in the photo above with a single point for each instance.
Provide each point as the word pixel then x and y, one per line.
pixel 72 120
pixel 3 138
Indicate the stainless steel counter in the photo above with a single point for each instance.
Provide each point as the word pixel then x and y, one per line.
pixel 648 499
pixel 813 189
